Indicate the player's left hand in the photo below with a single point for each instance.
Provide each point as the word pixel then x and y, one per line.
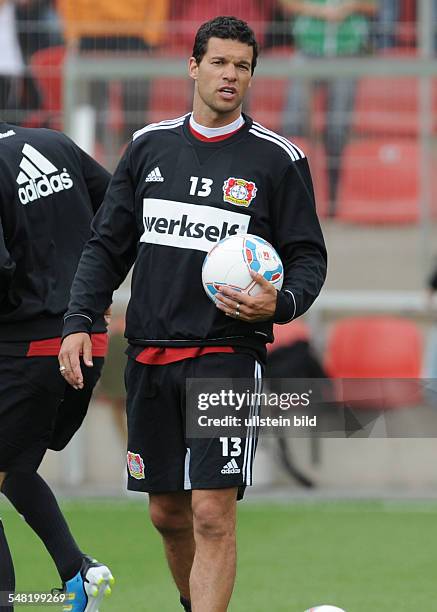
pixel 248 308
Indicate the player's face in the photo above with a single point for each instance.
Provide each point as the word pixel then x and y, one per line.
pixel 221 81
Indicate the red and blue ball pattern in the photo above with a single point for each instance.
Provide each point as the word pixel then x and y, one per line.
pixel 229 263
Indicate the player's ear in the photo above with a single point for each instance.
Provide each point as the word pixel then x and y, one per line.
pixel 193 68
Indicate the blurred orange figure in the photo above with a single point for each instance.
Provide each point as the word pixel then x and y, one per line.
pixel 103 19
pixel 109 27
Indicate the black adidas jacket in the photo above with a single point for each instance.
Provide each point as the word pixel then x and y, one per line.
pixel 49 192
pixel 169 202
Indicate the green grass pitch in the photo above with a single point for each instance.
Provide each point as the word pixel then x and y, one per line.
pixel 362 556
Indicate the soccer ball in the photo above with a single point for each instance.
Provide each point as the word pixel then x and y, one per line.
pixel 229 263
pixel 325 609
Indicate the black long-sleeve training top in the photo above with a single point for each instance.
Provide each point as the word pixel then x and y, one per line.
pixel 171 199
pixel 49 192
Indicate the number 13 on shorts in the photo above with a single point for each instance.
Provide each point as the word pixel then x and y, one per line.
pixel 235 447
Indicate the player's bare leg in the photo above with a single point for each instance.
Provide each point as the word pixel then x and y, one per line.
pixel 213 572
pixel 172 516
pixel 2 477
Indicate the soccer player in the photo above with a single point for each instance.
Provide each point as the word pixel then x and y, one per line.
pixel 49 192
pixel 171 199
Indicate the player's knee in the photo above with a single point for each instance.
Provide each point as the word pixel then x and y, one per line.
pixel 212 520
pixel 2 478
pixel 169 518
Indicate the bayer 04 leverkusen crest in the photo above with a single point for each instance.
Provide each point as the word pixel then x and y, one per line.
pixel 239 191
pixel 135 464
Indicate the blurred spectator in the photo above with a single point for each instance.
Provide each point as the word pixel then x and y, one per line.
pixel 386 23
pixel 11 60
pixel 278 31
pixel 327 28
pixel 114 26
pixel 188 15
pixel 38 28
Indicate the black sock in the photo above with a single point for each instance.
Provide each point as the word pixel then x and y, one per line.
pixel 186 603
pixel 7 574
pixel 33 498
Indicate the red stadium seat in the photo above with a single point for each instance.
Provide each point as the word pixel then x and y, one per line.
pixel 379 347
pixel 379 182
pixel 389 106
pixel 286 335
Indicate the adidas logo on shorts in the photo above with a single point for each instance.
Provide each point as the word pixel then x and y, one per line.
pixel 38 177
pixel 231 467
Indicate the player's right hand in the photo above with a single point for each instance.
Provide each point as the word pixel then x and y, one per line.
pixel 73 348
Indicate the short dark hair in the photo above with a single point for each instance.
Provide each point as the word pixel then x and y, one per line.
pixel 226 28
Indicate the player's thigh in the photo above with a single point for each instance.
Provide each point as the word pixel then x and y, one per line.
pixel 156 447
pixel 74 407
pixel 31 390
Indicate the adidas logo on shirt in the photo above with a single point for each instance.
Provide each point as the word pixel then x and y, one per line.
pixel 155 176
pixel 231 467
pixel 38 177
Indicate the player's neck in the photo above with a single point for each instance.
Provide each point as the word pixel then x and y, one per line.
pixel 205 116
pixel 214 132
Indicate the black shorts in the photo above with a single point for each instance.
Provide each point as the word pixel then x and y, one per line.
pixel 160 457
pixel 38 409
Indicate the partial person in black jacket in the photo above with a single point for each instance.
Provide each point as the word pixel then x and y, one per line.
pixel 432 281
pixel 171 199
pixel 49 192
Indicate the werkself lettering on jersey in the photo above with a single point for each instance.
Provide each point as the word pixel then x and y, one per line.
pixel 189 226
pixel 183 227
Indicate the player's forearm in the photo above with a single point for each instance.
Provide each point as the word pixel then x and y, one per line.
pixel 303 281
pixel 99 273
pixel 299 240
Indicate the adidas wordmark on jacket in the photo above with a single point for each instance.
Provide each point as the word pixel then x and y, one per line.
pixel 49 192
